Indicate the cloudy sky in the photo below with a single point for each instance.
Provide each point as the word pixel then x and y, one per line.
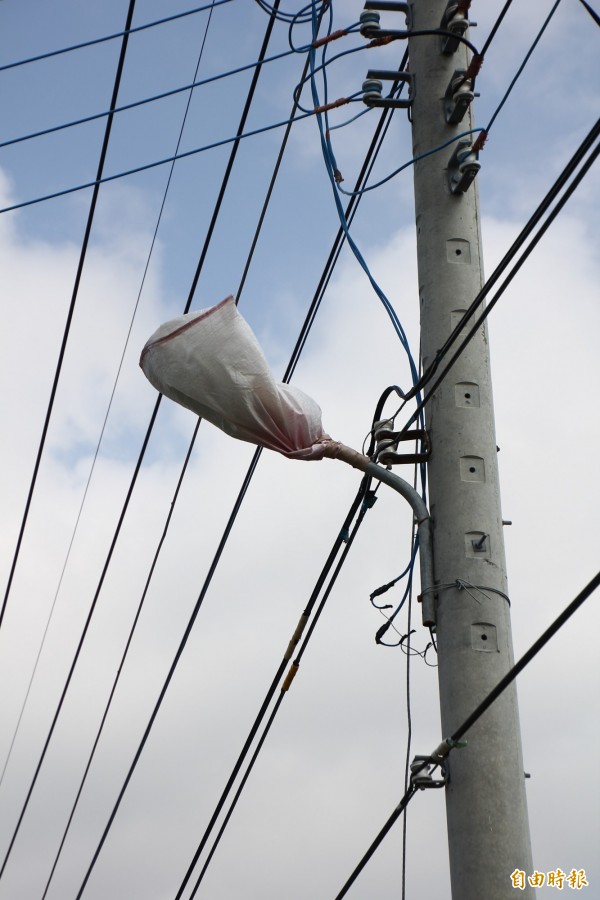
pixel 332 767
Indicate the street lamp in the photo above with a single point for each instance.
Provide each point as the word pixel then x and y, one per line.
pixel 211 362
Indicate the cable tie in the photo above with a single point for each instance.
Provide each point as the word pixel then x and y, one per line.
pixel 479 142
pixel 290 677
pixel 382 41
pixel 474 67
pixel 296 636
pixel 329 37
pixel 333 105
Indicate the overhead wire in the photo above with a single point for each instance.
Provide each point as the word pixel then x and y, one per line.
pixel 483 136
pixel 112 37
pixel 331 171
pixel 235 139
pixel 345 538
pixel 482 132
pixel 166 527
pixel 505 262
pixel 460 732
pixel 367 167
pixel 71 310
pixel 408 708
pixel 591 11
pixel 192 290
pixel 109 407
pixel 167 522
pixel 542 209
pixel 146 100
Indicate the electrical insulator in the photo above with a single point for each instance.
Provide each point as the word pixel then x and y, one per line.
pixel 370 18
pixel 458 98
pixel 372 88
pixel 372 91
pixel 462 168
pixel 369 23
pixel 456 21
pixel 385 441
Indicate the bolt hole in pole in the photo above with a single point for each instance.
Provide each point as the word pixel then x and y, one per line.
pixel 484 637
pixel 467 396
pixel 471 468
pixel 458 252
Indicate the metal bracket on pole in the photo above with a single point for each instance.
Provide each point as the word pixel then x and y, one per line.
pixel 387 440
pixel 373 88
pixel 455 20
pixel 462 167
pixel 420 773
pixel 458 98
pixel 370 18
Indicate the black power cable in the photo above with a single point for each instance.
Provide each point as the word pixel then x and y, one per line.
pixel 508 257
pixel 81 640
pixel 74 295
pixel 475 715
pixel 384 121
pixel 208 237
pixel 167 522
pixel 112 37
pixel 559 184
pixel 110 402
pixel 367 166
pixel 358 505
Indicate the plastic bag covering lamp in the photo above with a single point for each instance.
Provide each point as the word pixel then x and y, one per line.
pixel 210 362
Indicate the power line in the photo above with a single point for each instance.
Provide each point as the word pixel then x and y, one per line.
pixel 331 172
pixel 161 541
pixel 550 196
pixel 519 71
pixel 504 263
pixel 591 11
pixel 451 742
pixel 153 165
pixel 137 103
pixel 123 658
pixel 359 505
pixel 166 527
pixel 145 443
pixel 481 132
pixel 99 442
pixel 112 37
pixel 80 645
pixel 74 296
pixel 384 120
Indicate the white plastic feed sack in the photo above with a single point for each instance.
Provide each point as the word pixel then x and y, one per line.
pixel 210 362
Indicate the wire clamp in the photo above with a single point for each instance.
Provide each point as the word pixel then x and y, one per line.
pixel 458 98
pixel 456 21
pixel 462 167
pixel 421 769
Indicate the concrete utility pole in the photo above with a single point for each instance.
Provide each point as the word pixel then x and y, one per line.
pixel 488 830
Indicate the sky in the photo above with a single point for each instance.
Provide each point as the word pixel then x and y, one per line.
pixel 332 767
